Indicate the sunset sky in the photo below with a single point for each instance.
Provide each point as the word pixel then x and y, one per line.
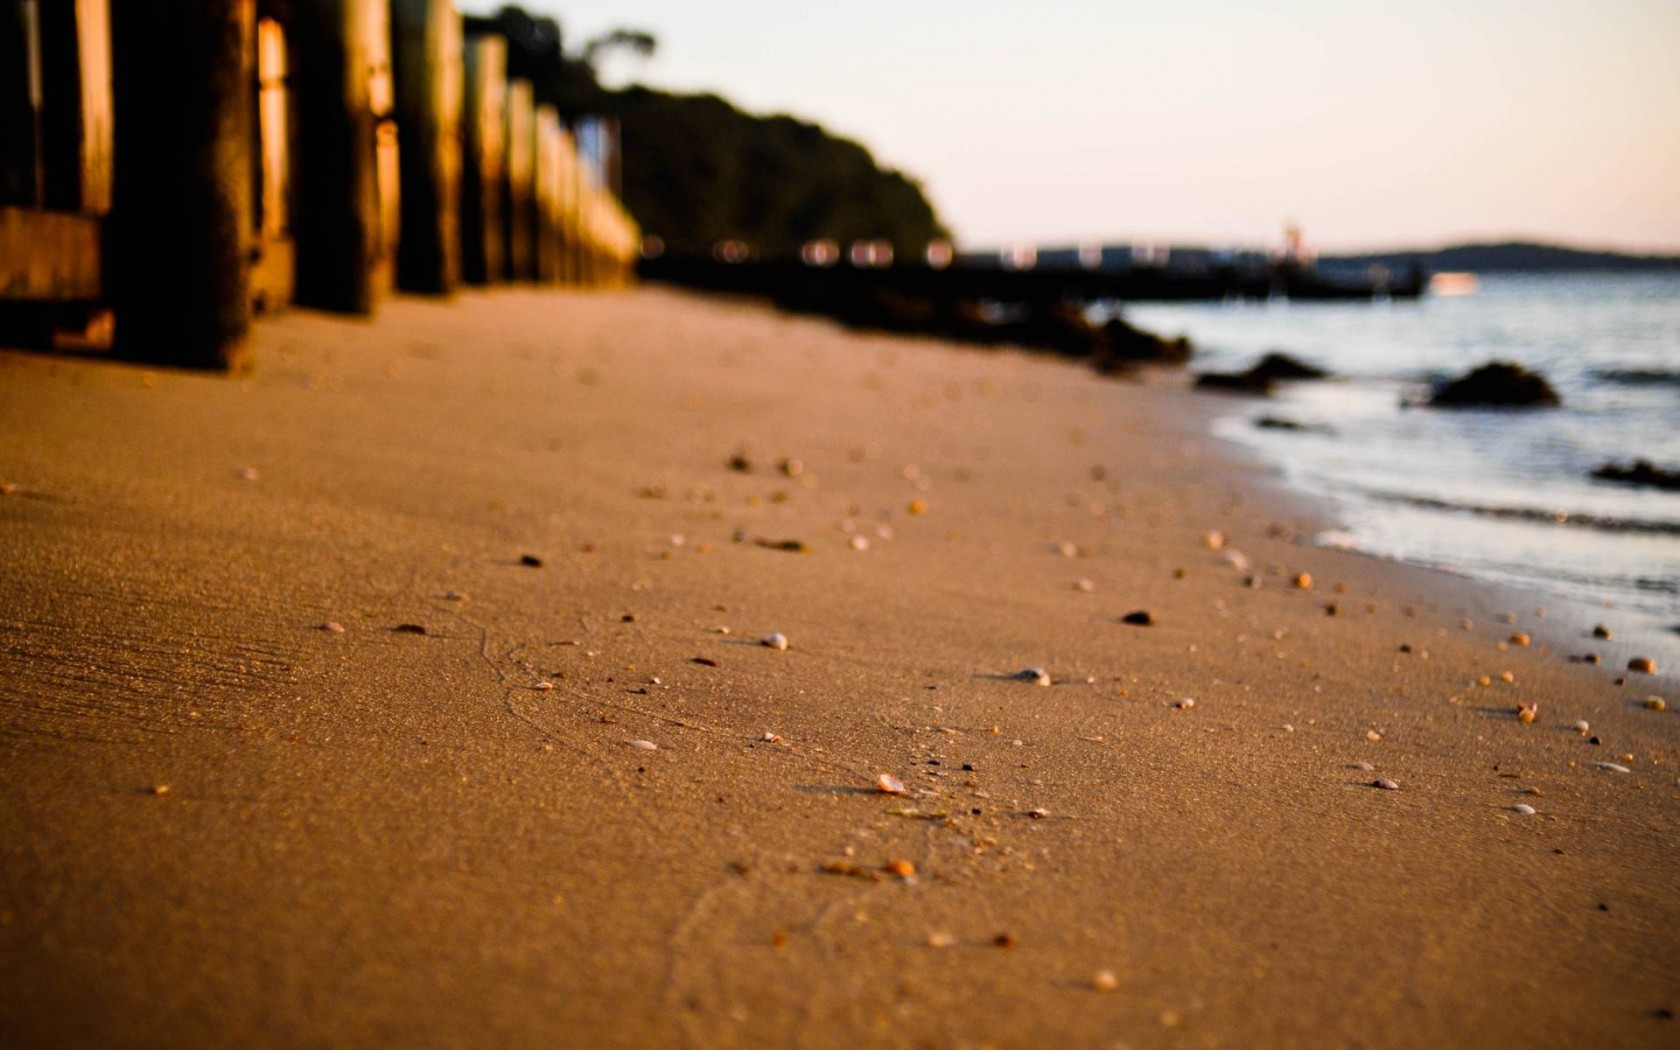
pixel 1214 121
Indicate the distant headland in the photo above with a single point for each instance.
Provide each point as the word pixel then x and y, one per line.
pixel 1511 257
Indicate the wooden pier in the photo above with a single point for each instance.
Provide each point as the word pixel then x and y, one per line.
pixel 167 171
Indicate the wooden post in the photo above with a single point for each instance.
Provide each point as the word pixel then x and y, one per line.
pixel 483 171
pixel 176 263
pixel 566 209
pixel 521 180
pixel 426 64
pixel 273 256
pixel 547 228
pixel 337 221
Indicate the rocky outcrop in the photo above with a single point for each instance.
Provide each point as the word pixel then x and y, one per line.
pixel 1497 384
pixel 1641 472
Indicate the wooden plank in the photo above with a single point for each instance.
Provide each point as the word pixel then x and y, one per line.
pixel 48 255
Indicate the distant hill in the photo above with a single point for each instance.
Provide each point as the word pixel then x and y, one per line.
pixel 1512 257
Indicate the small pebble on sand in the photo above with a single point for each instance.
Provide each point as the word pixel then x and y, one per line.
pixel 860 543
pixel 1184 704
pixel 643 745
pixel 902 868
pixel 940 940
pixel 1643 665
pixel 1084 586
pixel 1006 940
pixel 1518 638
pixel 1583 727
pixel 1237 560
pixel 1655 703
pixel 1035 675
pixel 1303 581
pixel 1526 713
pixel 1611 767
pixel 530 561
pixel 249 474
pixel 333 627
pixel 1104 981
pixel 1365 766
pixel 1038 814
pixel 1215 540
pixel 1385 784
pixel 1601 631
pixel 774 640
pixel 543 687
pixel 1139 618
pixel 888 784
pixel 1067 549
pixel 1372 735
pixel 1523 808
pixel 771 738
pixel 159 789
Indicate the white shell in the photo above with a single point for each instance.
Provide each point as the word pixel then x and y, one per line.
pixel 1035 675
pixel 1385 784
pixel 888 784
pixel 774 640
pixel 1582 727
pixel 643 745
pixel 1523 808
pixel 1611 767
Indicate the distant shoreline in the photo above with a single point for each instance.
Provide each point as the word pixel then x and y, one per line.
pixel 1512 257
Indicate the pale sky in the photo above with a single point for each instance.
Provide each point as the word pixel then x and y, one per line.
pixel 1371 124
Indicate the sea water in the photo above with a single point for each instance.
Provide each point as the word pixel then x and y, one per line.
pixel 1496 493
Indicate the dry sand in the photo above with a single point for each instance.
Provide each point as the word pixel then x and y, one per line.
pixel 225 826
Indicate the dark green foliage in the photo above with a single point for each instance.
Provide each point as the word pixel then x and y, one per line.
pixel 697 171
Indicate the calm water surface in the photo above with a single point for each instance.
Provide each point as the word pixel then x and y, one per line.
pixel 1500 494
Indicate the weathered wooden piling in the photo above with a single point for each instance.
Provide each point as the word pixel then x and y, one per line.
pixel 55 160
pixel 273 255
pixel 520 202
pixel 546 229
pixel 483 166
pixel 176 262
pixel 337 225
pixel 426 66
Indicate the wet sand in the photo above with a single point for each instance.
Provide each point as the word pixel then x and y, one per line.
pixel 225 825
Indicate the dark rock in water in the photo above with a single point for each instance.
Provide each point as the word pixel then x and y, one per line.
pixel 1235 383
pixel 1640 472
pixel 1497 383
pixel 1637 376
pixel 1276 365
pixel 1293 426
pixel 1124 345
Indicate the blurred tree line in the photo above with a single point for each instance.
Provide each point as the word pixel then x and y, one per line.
pixel 696 170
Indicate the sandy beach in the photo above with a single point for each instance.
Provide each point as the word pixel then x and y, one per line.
pixel 409 691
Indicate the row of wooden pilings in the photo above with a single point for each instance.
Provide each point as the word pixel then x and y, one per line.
pixel 192 163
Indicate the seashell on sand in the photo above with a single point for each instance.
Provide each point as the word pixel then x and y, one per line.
pixel 888 784
pixel 774 640
pixel 1035 675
